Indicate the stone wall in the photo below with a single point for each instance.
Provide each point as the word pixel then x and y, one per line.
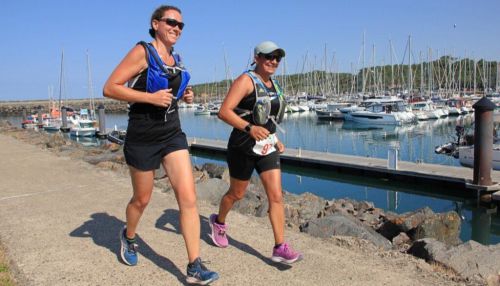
pixel 32 107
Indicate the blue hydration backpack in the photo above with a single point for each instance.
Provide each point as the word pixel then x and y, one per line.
pixel 159 73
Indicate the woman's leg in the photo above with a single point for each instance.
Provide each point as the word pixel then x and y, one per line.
pixel 178 167
pixel 271 180
pixel 236 192
pixel 142 183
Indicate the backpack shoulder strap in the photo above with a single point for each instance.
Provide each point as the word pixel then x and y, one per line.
pixel 146 48
pixel 151 51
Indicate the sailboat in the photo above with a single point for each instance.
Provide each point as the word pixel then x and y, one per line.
pixel 84 124
pixel 52 122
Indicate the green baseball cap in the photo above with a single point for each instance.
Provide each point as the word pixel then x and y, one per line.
pixel 268 47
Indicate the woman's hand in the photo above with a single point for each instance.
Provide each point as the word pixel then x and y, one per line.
pixel 161 98
pixel 258 133
pixel 280 146
pixel 188 96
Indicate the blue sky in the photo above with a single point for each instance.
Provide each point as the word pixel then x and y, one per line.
pixel 34 33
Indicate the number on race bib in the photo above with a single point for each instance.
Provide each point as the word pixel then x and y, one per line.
pixel 265 149
pixel 265 146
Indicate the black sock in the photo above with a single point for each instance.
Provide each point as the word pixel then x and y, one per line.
pixel 130 240
pixel 190 265
pixel 277 245
pixel 218 222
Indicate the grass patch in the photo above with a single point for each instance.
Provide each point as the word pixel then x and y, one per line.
pixel 5 275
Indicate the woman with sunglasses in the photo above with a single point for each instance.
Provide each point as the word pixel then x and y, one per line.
pixel 254 106
pixel 156 81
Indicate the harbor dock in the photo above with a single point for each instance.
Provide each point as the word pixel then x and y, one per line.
pixel 455 181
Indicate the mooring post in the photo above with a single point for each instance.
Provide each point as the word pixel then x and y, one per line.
pixel 64 117
pixel 40 119
pixel 25 116
pixel 102 122
pixel 392 158
pixel 483 141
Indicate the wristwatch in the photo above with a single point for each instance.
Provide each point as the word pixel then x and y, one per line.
pixel 248 127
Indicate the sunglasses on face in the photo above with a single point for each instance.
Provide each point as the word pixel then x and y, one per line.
pixel 172 22
pixel 271 57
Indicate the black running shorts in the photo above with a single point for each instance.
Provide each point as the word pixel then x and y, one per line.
pixel 241 165
pixel 148 156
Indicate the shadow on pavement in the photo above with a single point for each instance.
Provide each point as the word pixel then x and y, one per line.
pixel 169 221
pixel 104 231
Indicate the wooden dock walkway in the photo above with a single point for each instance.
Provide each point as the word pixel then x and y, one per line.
pixel 453 179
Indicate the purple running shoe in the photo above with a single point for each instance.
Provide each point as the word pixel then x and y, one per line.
pixel 285 254
pixel 219 236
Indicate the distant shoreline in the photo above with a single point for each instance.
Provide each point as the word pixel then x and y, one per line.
pixel 32 106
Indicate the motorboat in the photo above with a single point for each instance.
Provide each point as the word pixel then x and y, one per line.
pixel 466 156
pixel 384 110
pixel 332 111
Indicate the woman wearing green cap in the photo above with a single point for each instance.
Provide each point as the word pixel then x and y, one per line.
pixel 254 106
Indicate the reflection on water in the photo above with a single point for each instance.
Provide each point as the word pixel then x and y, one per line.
pixel 86 141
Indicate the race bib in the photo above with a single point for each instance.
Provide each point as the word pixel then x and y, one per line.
pixel 266 146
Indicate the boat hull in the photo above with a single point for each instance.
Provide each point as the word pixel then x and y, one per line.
pixel 466 156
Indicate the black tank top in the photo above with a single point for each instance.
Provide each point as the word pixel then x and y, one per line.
pixel 242 140
pixel 149 123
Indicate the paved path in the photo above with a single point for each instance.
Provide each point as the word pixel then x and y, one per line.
pixel 59 221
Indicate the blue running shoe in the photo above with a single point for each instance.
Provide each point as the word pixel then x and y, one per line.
pixel 199 274
pixel 128 250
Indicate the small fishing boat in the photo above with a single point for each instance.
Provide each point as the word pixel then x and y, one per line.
pixel 117 136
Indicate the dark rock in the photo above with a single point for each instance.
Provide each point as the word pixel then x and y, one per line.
pixel 338 224
pixel 214 170
pixel 444 227
pixel 401 239
pixel 364 206
pixel 389 229
pixel 369 218
pixel 411 220
pixel 55 140
pixel 302 208
pixel 211 190
pixel 471 259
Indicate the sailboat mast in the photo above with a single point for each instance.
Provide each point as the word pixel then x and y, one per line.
pixel 392 68
pixel 475 82
pixel 410 87
pixel 421 73
pixel 89 84
pixel 429 76
pixel 61 79
pixel 497 89
pixel 363 82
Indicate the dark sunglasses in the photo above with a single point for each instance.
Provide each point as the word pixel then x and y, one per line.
pixel 271 57
pixel 172 22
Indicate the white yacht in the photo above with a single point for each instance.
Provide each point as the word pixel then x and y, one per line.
pixel 425 110
pixel 384 110
pixel 466 156
pixel 83 125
